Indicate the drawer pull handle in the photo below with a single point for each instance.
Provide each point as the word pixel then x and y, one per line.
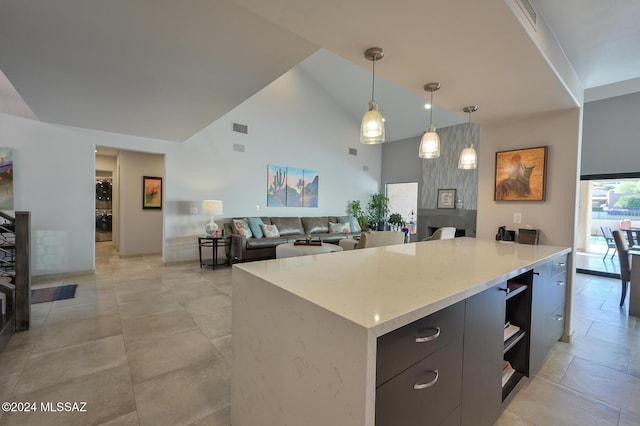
pixel 560 282
pixel 561 263
pixel 558 317
pixel 536 273
pixel 434 336
pixel 419 386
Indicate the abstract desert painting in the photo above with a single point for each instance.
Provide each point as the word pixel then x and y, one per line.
pixel 291 187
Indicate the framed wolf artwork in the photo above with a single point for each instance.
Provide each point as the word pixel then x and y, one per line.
pixel 521 174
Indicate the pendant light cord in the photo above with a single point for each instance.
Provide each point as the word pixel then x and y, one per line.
pixel 469 143
pixel 373 80
pixel 431 109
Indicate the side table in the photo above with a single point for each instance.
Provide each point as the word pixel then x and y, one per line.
pixel 214 242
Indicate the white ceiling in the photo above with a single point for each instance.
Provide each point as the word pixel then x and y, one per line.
pixel 600 38
pixel 166 69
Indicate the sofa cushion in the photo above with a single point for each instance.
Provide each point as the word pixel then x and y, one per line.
pixel 339 228
pixel 255 224
pixel 241 227
pixel 288 225
pixel 270 231
pixel 316 225
pixel 258 243
pixel 353 222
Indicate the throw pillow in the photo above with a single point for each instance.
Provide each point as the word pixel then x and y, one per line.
pixel 255 224
pixel 242 227
pixel 353 222
pixel 339 228
pixel 270 231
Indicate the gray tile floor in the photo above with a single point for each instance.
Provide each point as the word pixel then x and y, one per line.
pixel 147 344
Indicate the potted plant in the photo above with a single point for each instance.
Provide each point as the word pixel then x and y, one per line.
pixel 377 208
pixel 358 213
pixel 396 221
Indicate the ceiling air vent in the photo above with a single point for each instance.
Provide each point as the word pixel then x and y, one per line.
pixel 528 10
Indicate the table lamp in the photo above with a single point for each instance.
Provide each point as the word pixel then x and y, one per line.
pixel 211 208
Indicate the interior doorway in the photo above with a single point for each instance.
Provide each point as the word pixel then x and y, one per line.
pixel 135 228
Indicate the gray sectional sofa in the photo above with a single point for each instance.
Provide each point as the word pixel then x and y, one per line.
pixel 290 229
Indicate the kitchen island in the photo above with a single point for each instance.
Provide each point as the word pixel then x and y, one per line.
pixel 312 335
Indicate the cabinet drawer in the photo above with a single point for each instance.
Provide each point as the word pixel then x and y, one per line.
pixel 559 266
pixel 555 326
pixel 401 348
pixel 398 402
pixel 557 288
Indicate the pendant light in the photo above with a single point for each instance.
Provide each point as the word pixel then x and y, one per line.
pixel 468 157
pixel 430 142
pixel 372 129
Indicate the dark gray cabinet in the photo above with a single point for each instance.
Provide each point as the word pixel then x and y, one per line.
pixel 548 309
pixel 407 345
pixel 419 371
pixel 425 393
pixel 446 368
pixel 482 359
pixel 517 348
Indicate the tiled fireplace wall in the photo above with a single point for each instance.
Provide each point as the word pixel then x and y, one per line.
pixel 443 173
pixel 438 218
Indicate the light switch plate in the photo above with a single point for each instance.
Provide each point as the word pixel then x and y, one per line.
pixel 517 218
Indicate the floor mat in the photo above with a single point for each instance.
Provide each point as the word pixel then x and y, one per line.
pixel 49 294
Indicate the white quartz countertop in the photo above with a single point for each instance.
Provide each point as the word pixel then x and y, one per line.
pixel 384 288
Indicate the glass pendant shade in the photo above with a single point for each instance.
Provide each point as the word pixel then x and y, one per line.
pixel 468 158
pixel 372 129
pixel 430 144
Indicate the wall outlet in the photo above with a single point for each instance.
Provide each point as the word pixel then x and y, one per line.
pixel 257 207
pixel 194 210
pixel 517 218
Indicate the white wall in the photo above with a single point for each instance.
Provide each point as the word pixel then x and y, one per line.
pixel 55 180
pixel 54 172
pixel 291 123
pixel 555 217
pixel 140 230
pixel 610 136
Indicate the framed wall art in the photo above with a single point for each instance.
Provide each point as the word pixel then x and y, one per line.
pixel 6 178
pixel 521 174
pixel 446 198
pixel 151 192
pixel 291 187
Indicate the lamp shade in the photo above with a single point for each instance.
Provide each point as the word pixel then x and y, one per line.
pixel 430 144
pixel 468 159
pixel 212 207
pixel 372 129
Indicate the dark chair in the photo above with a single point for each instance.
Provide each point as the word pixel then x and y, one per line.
pixel 632 241
pixel 625 268
pixel 611 244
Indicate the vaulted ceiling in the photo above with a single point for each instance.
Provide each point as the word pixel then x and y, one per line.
pixel 165 69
